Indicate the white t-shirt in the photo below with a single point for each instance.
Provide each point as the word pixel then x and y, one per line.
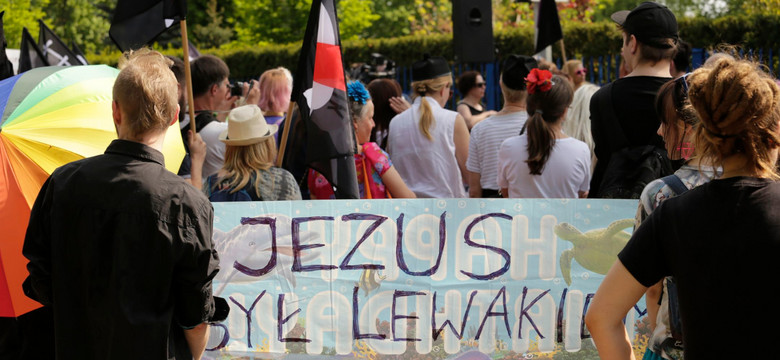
pixel 428 168
pixel 566 172
pixel 486 138
pixel 215 149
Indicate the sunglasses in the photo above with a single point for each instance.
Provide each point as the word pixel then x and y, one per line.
pixel 683 80
pixel 480 84
pixel 582 71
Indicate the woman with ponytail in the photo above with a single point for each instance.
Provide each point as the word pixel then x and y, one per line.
pixel 719 240
pixel 429 144
pixel 543 162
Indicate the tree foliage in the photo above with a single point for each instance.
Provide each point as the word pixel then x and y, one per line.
pixel 21 14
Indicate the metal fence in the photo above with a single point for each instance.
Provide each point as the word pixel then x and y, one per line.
pixel 601 70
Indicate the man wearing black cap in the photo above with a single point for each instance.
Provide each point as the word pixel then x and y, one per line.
pixel 622 113
pixel 487 135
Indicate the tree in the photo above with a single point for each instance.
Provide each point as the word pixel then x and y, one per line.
pixel 85 22
pixel 19 14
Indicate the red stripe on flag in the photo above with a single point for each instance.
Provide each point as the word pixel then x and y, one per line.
pixel 328 69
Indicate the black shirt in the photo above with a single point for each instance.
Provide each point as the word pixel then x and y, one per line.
pixel 720 241
pixel 633 99
pixel 121 249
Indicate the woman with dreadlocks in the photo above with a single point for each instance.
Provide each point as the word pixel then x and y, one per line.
pixel 719 240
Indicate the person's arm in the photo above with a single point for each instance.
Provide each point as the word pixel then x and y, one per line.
pixel 652 296
pixel 37 249
pixel 617 294
pixel 472 120
pixel 197 156
pixel 505 192
pixel 475 187
pixel 582 194
pixel 461 139
pixel 197 338
pixel 399 104
pixel 396 185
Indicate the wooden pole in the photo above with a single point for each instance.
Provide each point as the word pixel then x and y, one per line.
pixel 187 75
pixel 285 132
pixel 563 51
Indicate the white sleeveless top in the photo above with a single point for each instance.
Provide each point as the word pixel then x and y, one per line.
pixel 428 168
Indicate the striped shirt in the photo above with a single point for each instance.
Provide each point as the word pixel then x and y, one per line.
pixel 486 138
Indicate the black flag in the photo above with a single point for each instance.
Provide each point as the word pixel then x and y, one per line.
pixel 79 54
pixel 55 51
pixel 321 94
pixel 6 68
pixel 30 56
pixel 548 26
pixel 136 23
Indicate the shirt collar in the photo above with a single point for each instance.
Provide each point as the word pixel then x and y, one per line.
pixel 136 150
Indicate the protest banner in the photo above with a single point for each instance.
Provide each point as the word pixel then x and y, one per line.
pixel 415 278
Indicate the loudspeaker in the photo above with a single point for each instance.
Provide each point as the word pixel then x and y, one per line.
pixel 472 31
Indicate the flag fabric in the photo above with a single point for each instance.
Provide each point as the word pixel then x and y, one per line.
pixel 55 51
pixel 548 26
pixel 79 54
pixel 136 23
pixel 193 51
pixel 6 67
pixel 321 94
pixel 30 55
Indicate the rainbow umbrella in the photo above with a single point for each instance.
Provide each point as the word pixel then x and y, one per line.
pixel 50 116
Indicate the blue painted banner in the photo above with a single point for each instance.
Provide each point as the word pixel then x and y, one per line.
pixel 424 278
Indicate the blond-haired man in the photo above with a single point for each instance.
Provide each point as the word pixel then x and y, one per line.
pixel 119 247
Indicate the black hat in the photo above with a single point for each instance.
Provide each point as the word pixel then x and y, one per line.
pixel 430 67
pixel 516 68
pixel 650 22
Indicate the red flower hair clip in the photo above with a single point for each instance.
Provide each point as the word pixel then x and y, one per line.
pixel 540 80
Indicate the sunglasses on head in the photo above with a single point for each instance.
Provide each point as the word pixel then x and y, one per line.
pixel 683 80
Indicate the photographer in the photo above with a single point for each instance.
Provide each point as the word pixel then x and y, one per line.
pixel 213 97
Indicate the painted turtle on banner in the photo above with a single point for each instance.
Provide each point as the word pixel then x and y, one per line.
pixel 595 250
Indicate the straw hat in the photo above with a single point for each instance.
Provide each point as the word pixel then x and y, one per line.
pixel 247 126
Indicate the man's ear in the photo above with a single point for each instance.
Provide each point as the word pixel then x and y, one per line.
pixel 214 88
pixel 116 113
pixel 632 44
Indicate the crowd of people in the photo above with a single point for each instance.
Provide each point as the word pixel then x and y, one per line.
pixel 706 141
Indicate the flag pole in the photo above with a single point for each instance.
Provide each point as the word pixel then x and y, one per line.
pixel 285 132
pixel 187 74
pixel 563 51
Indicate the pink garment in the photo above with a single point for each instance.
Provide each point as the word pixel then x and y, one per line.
pixel 376 160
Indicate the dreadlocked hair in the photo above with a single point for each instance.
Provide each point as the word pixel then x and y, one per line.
pixel 545 108
pixel 421 88
pixel 737 103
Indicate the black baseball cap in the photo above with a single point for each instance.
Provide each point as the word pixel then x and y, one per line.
pixel 516 69
pixel 430 67
pixel 651 23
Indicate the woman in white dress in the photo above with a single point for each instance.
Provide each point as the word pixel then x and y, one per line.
pixel 429 144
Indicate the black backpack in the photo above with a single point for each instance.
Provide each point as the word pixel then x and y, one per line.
pixel 630 168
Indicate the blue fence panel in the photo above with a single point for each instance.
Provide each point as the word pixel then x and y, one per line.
pixel 601 70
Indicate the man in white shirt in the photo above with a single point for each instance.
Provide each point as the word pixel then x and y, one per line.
pixel 487 136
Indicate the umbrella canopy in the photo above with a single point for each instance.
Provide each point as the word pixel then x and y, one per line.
pixel 50 116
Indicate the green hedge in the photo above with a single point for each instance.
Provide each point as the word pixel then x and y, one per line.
pixel 762 31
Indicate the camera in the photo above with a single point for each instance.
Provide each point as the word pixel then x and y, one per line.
pixel 237 88
pixel 377 67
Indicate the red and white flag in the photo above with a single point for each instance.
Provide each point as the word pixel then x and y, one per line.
pixel 320 92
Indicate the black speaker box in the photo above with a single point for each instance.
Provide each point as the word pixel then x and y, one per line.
pixel 472 31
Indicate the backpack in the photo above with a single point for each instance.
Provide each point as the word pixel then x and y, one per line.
pixel 225 195
pixel 629 168
pixel 675 321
